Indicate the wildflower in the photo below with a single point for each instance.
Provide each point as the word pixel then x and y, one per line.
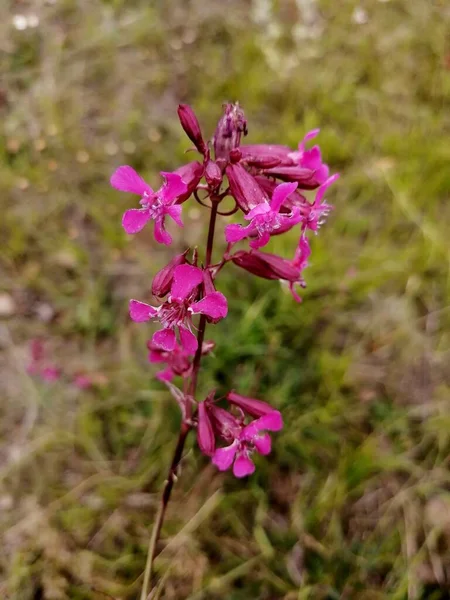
pixel 155 205
pixel 177 361
pixel 176 312
pixel 247 439
pixel 310 159
pixel 266 219
pixel 319 210
pixel 39 365
pixel 162 281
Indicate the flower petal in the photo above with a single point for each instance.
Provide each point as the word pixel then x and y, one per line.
pixel 223 457
pixel 175 213
pixel 135 219
pixel 165 339
pixel 167 375
pixel 185 279
pixel 236 233
pixel 261 241
pixel 161 235
pixel 273 421
pixel 126 179
pixel 263 443
pixel 140 311
pixel 261 209
pixel 173 187
pixel 323 188
pixel 188 340
pixel 213 305
pixel 280 194
pixel 243 466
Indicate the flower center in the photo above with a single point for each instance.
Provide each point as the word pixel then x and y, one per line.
pixel 267 222
pixel 173 313
pixel 152 203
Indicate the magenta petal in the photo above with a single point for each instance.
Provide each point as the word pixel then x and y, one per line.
pixel 213 305
pixel 236 233
pixel 165 339
pixel 156 356
pixel 261 209
pixel 167 375
pixel 261 241
pixel 126 179
pixel 139 311
pixel 223 457
pixel 323 188
pixel 188 341
pixel 161 235
pixel 175 213
pixel 280 194
pixel 273 421
pixel 173 187
pixel 263 443
pixel 243 466
pixel 135 219
pixel 185 279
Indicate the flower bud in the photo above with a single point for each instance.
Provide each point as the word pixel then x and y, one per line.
pixel 191 173
pixel 162 281
pixel 226 425
pixel 229 130
pixel 244 188
pixel 205 432
pixel 255 408
pixel 275 151
pixel 306 178
pixel 191 126
pixel 213 174
pixel 265 265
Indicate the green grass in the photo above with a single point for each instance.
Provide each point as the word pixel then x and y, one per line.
pixel 354 501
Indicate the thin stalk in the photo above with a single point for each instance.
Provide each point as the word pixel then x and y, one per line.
pixel 184 428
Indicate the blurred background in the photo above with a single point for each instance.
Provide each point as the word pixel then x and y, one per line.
pixel 354 501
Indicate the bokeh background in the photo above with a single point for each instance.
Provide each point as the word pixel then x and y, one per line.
pixel 354 501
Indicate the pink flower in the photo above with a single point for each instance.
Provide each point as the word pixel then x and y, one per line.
pixel 319 210
pixel 39 365
pixel 176 312
pixel 177 361
pixel 248 438
pixel 310 159
pixel 155 205
pixel 265 219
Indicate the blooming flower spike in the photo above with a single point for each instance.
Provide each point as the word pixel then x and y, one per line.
pixel 155 205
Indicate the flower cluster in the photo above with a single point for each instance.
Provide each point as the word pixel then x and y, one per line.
pixel 270 185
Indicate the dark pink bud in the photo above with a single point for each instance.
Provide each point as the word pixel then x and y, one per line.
pixel 262 162
pixel 266 265
pixel 244 188
pixel 255 408
pixel 229 130
pixel 275 151
pixel 191 126
pixel 235 155
pixel 213 174
pixel 306 178
pixel 162 281
pixel 191 175
pixel 205 432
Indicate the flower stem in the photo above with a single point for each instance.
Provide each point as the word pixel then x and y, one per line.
pixel 185 427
